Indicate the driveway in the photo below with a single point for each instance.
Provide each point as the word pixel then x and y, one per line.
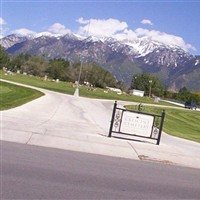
pixel 81 124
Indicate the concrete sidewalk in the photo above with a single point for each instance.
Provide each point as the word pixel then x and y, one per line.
pixel 80 124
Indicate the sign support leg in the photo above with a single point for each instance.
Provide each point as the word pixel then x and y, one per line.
pixel 161 127
pixel 112 119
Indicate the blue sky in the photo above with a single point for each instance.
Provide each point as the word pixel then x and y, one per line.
pixel 170 22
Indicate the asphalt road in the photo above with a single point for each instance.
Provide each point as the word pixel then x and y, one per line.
pixel 29 172
pixel 81 124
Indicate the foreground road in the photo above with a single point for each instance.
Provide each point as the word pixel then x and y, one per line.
pixel 82 124
pixel 30 172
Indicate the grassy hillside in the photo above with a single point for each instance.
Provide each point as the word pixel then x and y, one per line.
pixel 39 82
pixel 69 88
pixel 178 122
pixel 12 95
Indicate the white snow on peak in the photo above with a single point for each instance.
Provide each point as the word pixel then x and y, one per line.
pixel 139 46
pixel 46 34
pixel 197 62
pixel 145 46
pixel 92 38
pixel 79 37
pixel 142 47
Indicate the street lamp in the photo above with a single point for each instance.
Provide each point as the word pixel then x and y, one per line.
pixel 150 82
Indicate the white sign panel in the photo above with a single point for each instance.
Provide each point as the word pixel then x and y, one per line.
pixel 137 123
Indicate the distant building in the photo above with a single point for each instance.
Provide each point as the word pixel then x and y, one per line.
pixel 114 90
pixel 137 92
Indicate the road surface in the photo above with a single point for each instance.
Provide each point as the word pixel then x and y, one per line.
pixel 30 172
pixel 81 124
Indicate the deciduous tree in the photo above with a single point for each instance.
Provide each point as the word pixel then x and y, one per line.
pixel 147 82
pixel 4 58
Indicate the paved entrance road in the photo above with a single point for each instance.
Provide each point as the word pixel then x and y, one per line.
pixel 30 172
pixel 81 124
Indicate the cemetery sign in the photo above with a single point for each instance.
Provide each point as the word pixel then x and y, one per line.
pixel 136 123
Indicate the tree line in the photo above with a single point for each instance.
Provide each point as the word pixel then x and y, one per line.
pixel 152 86
pixel 58 68
pixel 63 70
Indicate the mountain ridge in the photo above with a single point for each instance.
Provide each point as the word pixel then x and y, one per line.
pixel 122 58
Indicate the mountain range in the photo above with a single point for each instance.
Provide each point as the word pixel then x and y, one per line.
pixel 175 67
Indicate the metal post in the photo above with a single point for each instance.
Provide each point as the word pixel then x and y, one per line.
pixel 79 77
pixel 112 119
pixel 150 81
pixel 76 93
pixel 161 127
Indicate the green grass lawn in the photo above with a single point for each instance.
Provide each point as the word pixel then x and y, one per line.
pixel 67 88
pixel 12 95
pixel 178 122
pixel 62 87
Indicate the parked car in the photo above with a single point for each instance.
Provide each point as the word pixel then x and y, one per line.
pixel 190 105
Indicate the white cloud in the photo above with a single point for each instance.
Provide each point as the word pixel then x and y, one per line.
pixel 126 35
pixel 140 32
pixel 82 21
pixel 2 21
pixel 2 29
pixel 119 30
pixel 101 27
pixel 1 33
pixel 58 28
pixel 54 30
pixel 110 28
pixel 24 32
pixel 165 38
pixel 147 21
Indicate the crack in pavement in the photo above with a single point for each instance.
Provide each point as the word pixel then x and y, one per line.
pixel 147 158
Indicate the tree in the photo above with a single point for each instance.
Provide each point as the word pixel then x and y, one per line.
pixel 34 65
pixel 147 83
pixel 4 58
pixel 19 61
pixel 58 69
pixel 94 74
pixel 184 94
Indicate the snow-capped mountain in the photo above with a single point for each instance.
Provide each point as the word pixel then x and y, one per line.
pixel 11 40
pixel 123 58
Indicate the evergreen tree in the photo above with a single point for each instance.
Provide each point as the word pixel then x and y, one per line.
pixel 184 94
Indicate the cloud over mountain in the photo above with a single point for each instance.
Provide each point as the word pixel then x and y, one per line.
pixel 24 32
pixel 165 38
pixel 101 27
pixel 2 29
pixel 58 28
pixel 110 28
pixel 120 30
pixel 2 21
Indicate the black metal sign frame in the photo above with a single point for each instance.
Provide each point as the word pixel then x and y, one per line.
pixel 117 119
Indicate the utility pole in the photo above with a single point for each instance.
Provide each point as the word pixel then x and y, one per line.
pixel 78 83
pixel 150 82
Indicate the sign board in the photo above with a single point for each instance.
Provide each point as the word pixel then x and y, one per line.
pixel 137 123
